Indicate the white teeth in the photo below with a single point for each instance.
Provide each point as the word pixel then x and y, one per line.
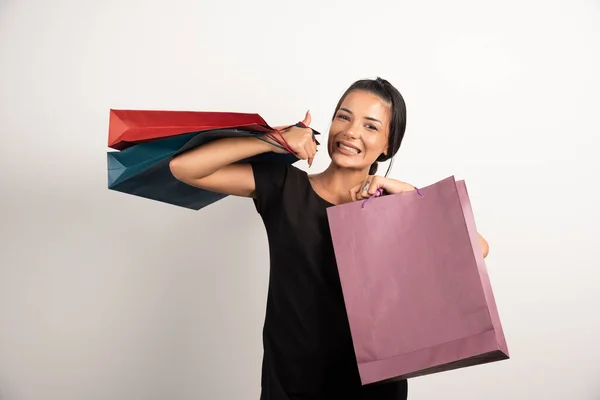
pixel 352 149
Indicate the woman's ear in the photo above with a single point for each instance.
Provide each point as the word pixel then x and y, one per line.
pixel 385 150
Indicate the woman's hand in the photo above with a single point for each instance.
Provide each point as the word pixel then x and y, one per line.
pixel 373 182
pixel 300 140
pixel 485 247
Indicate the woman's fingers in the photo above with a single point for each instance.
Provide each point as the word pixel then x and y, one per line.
pixel 310 155
pixel 354 192
pixel 365 190
pixel 302 154
pixel 360 192
pixel 311 150
pixel 310 147
pixel 369 187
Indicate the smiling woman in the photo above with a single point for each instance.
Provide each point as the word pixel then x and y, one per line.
pixel 308 349
pixel 345 126
pixel 383 117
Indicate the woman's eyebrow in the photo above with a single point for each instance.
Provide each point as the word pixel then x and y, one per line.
pixel 369 118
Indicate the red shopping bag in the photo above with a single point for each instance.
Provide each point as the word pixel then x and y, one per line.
pixel 128 127
pixel 415 284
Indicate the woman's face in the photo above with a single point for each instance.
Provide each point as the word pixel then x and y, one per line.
pixel 359 131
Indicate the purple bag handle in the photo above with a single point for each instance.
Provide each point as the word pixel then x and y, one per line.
pixel 379 192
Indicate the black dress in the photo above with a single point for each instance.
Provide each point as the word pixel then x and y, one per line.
pixel 308 351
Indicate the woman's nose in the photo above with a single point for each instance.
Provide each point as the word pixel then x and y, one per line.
pixel 352 133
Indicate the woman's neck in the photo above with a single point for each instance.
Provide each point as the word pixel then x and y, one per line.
pixel 334 184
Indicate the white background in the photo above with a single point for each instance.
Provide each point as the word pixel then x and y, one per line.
pixel 109 296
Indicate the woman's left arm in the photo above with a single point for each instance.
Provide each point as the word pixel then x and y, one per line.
pixel 373 182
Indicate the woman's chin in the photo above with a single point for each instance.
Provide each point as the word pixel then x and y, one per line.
pixel 350 162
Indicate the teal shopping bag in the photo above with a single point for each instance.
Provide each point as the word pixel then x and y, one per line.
pixel 143 169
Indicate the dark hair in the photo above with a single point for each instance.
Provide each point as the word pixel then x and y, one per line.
pixel 387 92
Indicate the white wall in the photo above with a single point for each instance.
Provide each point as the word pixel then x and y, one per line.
pixel 108 296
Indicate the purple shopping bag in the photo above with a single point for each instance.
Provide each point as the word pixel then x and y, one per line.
pixel 415 284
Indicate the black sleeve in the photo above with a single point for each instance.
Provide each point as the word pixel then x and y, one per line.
pixel 269 180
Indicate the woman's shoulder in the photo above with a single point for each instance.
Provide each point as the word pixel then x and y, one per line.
pixel 274 179
pixel 276 173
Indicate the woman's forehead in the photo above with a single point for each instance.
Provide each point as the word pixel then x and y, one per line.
pixel 365 104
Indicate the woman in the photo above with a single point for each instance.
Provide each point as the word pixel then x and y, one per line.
pixel 308 351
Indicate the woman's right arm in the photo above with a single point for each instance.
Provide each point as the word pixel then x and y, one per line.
pixel 214 166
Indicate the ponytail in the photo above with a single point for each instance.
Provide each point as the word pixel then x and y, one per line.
pixel 373 169
pixel 375 165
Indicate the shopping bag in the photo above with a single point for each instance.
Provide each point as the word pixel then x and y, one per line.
pixel 129 127
pixel 143 170
pixel 415 284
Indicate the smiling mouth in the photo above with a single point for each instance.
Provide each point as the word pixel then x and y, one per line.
pixel 347 148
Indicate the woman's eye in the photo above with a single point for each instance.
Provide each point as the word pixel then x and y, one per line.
pixel 372 127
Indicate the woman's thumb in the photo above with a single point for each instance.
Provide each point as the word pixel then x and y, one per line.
pixel 307 119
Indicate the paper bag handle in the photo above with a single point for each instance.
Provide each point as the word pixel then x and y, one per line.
pixel 379 192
